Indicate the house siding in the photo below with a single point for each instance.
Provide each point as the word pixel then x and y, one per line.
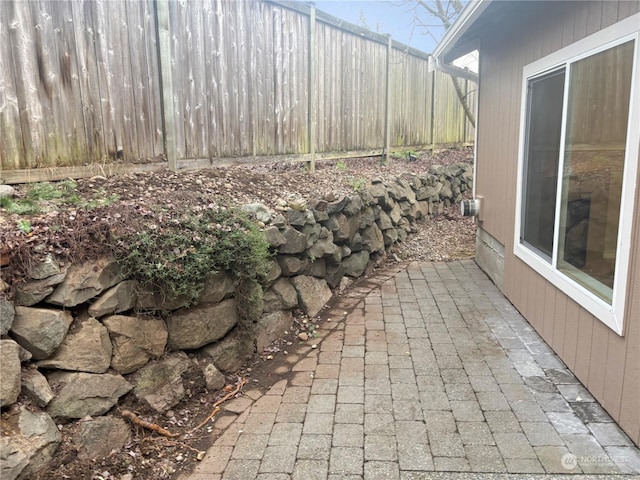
pixel 607 364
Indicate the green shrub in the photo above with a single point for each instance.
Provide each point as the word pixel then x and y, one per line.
pixel 176 256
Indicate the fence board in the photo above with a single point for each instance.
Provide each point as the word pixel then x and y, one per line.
pixel 11 134
pixel 81 83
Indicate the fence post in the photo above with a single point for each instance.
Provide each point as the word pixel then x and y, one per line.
pixel 433 109
pixel 313 111
pixel 387 110
pixel 166 81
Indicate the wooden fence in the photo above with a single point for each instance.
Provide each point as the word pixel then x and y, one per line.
pixel 207 82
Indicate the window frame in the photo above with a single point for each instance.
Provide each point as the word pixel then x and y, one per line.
pixel 612 315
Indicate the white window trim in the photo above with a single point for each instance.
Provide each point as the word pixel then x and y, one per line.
pixel 611 315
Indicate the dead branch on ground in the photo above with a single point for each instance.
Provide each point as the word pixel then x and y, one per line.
pixel 216 406
pixel 148 425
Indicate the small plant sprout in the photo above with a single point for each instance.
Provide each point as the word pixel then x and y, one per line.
pixel 24 226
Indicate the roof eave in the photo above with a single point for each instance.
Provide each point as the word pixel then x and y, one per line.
pixel 465 20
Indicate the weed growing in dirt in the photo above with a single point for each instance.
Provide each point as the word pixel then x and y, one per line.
pixel 359 184
pixel 42 197
pixel 24 226
pixel 176 255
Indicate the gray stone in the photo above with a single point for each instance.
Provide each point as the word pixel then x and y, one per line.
pixel 367 217
pixel 298 204
pixel 338 205
pixel 291 265
pixel 320 216
pixel 300 218
pixel 153 300
pixel 354 206
pixel 117 299
pixel 344 228
pixel 296 242
pixel 312 232
pixel 217 287
pixel 7 314
pixel 420 210
pixel 214 380
pixel 86 281
pixel 230 353
pixel 390 236
pixel 79 394
pixel 281 296
pixel 372 239
pixel 356 243
pixel 446 192
pixel 274 272
pixel 384 221
pixel 86 348
pixel 100 436
pixel 313 293
pixel 45 268
pixel 7 191
pixel 24 354
pixel 258 210
pixel 408 193
pixel 33 292
pixel 273 236
pixel 319 205
pixel 335 274
pixel 31 444
pixel 331 223
pixel 395 214
pixel 9 372
pixel 135 340
pixel 40 330
pixel 356 264
pixel 271 327
pixel 316 268
pixel 279 221
pixel 160 383
pixel 196 327
pixel 324 247
pixel 426 193
pixel 36 387
pixel 380 193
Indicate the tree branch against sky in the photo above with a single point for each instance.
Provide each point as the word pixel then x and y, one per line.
pixel 440 14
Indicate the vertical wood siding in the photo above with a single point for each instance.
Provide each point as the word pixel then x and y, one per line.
pixel 80 84
pixel 608 365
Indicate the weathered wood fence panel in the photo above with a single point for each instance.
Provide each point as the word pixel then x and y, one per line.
pixel 81 82
pixel 351 82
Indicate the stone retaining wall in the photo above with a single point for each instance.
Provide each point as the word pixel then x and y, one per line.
pixel 76 339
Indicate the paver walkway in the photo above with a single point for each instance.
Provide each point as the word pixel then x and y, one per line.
pixel 424 371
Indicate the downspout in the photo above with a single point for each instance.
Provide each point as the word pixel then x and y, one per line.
pixel 467 207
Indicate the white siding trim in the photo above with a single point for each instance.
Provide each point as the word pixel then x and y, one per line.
pixel 611 315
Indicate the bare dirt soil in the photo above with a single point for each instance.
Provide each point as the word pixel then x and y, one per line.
pixel 75 232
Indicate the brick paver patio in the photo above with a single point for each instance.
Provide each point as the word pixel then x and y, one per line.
pixel 421 372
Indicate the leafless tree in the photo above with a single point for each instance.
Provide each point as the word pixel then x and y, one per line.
pixel 431 16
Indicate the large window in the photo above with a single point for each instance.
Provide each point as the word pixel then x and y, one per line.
pixel 578 163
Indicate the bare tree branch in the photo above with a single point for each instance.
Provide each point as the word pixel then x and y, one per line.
pixel 463 101
pixel 443 12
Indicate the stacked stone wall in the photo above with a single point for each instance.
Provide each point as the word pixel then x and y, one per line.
pixel 76 339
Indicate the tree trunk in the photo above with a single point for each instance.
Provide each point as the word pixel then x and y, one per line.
pixel 463 101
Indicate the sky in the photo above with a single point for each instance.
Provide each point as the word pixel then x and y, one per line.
pixel 395 17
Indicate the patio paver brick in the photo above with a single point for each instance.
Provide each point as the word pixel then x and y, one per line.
pixel 422 371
